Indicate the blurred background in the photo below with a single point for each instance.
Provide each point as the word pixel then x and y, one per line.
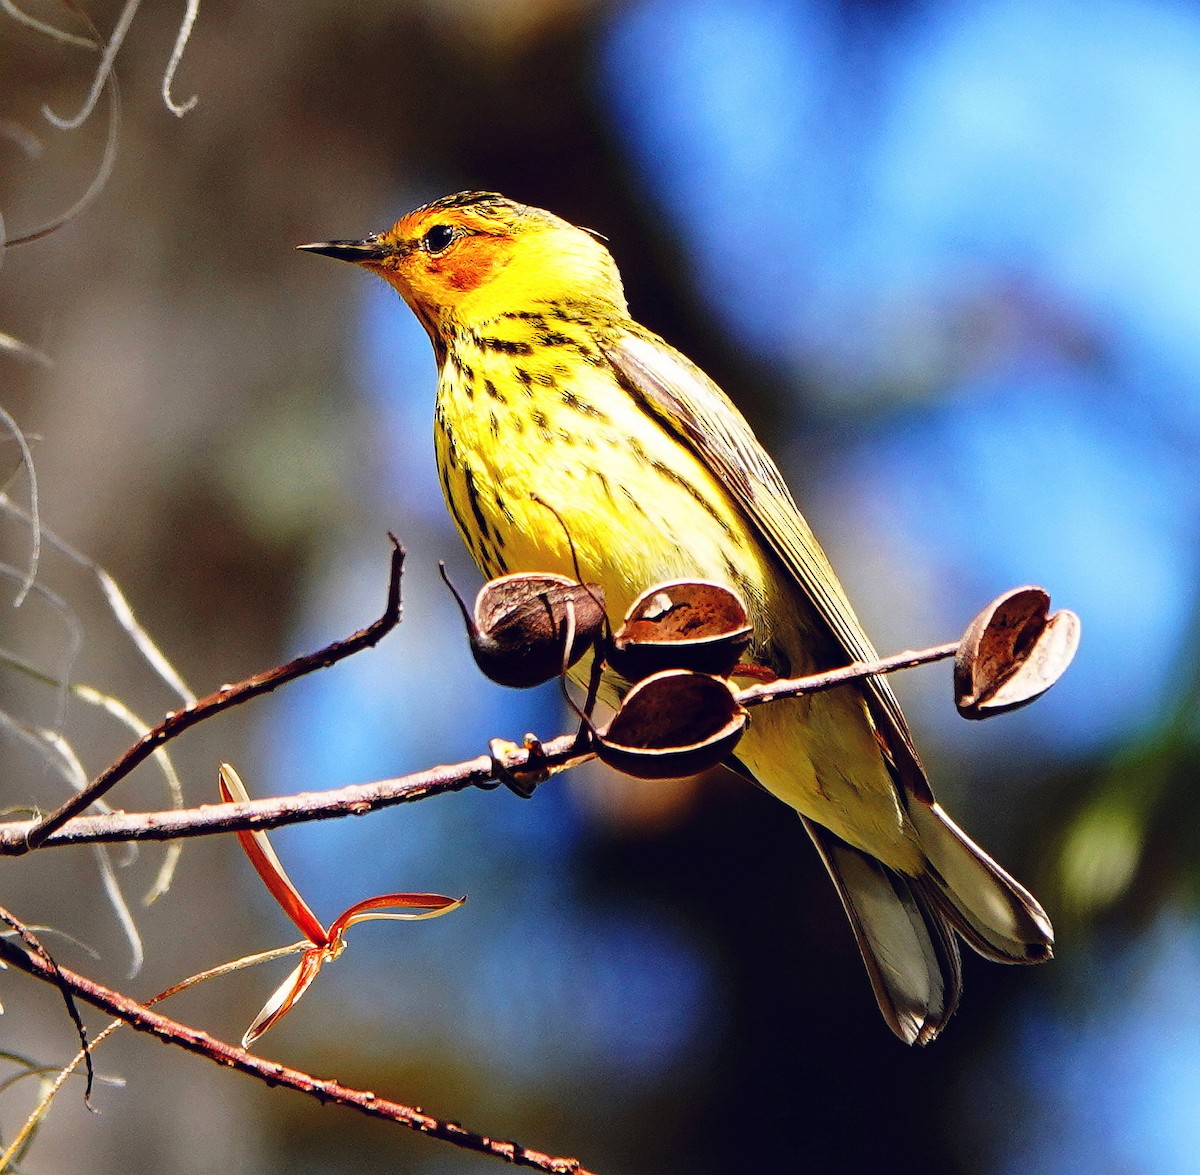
pixel 945 255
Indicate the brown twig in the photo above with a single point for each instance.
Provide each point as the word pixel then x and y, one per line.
pixel 176 722
pixel 54 975
pixel 355 800
pixel 114 1003
pixel 556 755
pixel 791 687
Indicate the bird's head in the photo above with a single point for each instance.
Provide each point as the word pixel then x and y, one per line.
pixel 465 259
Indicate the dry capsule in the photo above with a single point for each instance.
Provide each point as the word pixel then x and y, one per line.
pixel 521 623
pixel 683 624
pixel 1012 653
pixel 671 724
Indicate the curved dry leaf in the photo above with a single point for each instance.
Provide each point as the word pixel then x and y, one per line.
pixel 267 865
pixel 394 907
pixel 326 945
pixel 1012 653
pixel 684 624
pixel 671 724
pixel 284 998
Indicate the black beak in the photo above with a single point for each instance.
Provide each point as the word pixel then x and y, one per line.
pixel 368 250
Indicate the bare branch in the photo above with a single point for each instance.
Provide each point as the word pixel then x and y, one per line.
pixel 794 687
pixel 1021 638
pixel 273 1073
pixel 355 800
pixel 557 755
pixel 42 963
pixel 224 698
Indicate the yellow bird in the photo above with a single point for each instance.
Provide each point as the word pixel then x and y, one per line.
pixel 548 390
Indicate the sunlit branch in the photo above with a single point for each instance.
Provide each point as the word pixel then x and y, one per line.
pixel 41 963
pixel 222 699
pixel 555 755
pixel 273 1073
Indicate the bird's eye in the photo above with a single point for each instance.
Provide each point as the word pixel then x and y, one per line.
pixel 438 238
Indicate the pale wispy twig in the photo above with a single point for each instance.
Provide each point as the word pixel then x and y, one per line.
pixel 47 29
pixel 103 72
pixel 54 750
pixel 32 517
pixel 119 605
pixel 185 31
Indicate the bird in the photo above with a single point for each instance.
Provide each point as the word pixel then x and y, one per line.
pixel 551 394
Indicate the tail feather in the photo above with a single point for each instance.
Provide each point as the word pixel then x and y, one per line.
pixel 906 943
pixel 905 925
pixel 994 913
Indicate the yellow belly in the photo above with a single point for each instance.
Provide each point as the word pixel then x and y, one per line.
pixel 639 508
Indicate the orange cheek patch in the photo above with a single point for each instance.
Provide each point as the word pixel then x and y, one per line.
pixel 474 262
pixel 464 272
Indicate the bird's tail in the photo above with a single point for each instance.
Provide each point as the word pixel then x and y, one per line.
pixel 907 945
pixel 997 915
pixel 905 925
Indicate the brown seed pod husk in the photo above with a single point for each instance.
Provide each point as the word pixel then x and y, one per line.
pixel 521 621
pixel 1012 653
pixel 671 724
pixel 685 624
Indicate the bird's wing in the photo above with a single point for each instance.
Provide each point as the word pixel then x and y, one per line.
pixel 674 391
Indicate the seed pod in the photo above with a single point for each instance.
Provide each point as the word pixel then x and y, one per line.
pixel 672 724
pixel 1012 653
pixel 521 622
pixel 681 625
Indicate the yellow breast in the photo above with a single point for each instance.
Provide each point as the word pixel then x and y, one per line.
pixel 545 460
pixel 544 457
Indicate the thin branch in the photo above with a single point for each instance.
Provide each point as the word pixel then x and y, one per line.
pixel 557 755
pixel 224 698
pixel 273 1073
pixel 354 800
pixel 25 1135
pixel 42 964
pixel 792 687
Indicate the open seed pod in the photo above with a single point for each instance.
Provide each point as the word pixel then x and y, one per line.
pixel 521 622
pixel 674 723
pixel 681 625
pixel 1012 653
